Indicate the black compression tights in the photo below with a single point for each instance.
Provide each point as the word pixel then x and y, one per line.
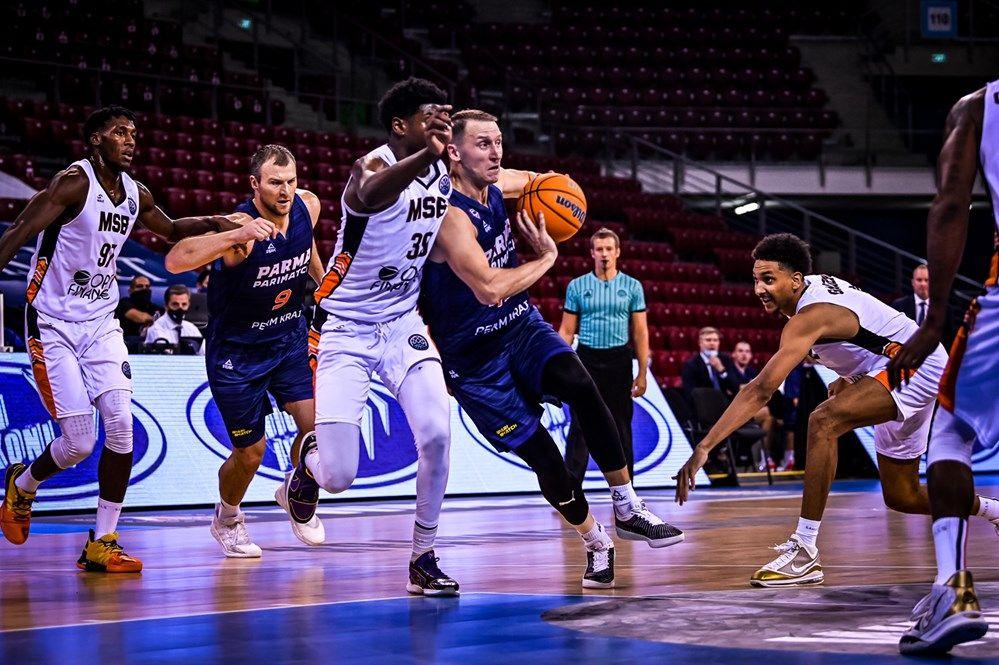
pixel 558 486
pixel 565 377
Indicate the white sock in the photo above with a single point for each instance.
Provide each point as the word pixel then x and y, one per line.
pixel 226 511
pixel 949 539
pixel 808 531
pixel 989 507
pixel 423 539
pixel 625 500
pixel 26 482
pixel 107 518
pixel 596 538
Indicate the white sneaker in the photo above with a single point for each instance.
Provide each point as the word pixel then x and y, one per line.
pixel 796 564
pixel 947 616
pixel 233 537
pixel 311 532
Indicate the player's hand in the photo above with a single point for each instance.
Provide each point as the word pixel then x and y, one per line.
pixel 437 128
pixel 910 357
pixel 685 476
pixel 836 386
pixel 639 385
pixel 258 229
pixel 536 235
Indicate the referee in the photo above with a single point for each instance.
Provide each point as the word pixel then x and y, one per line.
pixel 607 310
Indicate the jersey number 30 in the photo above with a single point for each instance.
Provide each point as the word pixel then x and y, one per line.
pixel 421 245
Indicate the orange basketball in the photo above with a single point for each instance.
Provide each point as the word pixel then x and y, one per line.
pixel 560 199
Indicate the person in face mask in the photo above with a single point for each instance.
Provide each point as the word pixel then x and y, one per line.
pixel 137 311
pixel 172 328
pixel 709 369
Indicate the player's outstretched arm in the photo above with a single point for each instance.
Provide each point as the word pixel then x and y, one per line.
pixel 374 185
pixel 456 244
pixel 947 228
pixel 800 332
pixel 157 221
pixel 66 191
pixel 192 253
pixel 513 181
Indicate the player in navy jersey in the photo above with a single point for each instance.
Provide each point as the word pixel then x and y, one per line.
pixel 501 359
pixel 257 333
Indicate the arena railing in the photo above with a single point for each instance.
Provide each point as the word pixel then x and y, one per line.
pixel 874 264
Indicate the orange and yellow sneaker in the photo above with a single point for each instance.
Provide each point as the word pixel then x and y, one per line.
pixel 15 511
pixel 105 555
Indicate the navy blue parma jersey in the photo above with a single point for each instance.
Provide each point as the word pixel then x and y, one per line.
pixel 262 298
pixel 458 322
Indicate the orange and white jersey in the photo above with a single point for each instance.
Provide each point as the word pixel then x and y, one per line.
pixel 988 154
pixel 882 328
pixel 73 273
pixel 374 273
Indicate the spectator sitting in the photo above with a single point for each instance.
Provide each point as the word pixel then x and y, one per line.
pixel 183 336
pixel 917 305
pixel 743 372
pixel 137 311
pixel 709 369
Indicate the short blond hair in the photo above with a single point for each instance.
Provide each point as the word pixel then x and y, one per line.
pixel 708 330
pixel 461 119
pixel 604 232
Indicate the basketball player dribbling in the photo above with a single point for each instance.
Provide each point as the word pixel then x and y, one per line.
pixel 257 336
pixel 366 319
pixel 502 359
pixel 854 334
pixel 77 351
pixel 969 407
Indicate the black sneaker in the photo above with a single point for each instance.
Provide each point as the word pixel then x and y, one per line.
pixel 426 579
pixel 599 569
pixel 299 496
pixel 646 525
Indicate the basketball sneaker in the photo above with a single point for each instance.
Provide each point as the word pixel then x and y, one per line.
pixel 233 537
pixel 796 564
pixel 426 579
pixel 299 496
pixel 15 511
pixel 647 526
pixel 105 555
pixel 599 568
pixel 947 616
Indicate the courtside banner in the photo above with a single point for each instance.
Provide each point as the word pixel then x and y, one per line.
pixel 180 441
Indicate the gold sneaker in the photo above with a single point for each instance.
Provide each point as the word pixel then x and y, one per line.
pixel 798 564
pixel 15 511
pixel 947 616
pixel 105 555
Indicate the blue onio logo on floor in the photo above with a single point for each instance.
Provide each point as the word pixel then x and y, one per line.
pixel 651 436
pixel 26 428
pixel 388 455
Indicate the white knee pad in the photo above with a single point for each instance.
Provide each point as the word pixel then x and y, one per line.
pixel 115 407
pixel 79 435
pixel 338 447
pixel 951 439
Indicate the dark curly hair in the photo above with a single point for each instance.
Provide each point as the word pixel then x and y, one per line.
pixel 787 249
pixel 406 97
pixel 99 119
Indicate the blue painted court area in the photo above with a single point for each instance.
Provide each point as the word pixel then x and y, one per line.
pixel 475 628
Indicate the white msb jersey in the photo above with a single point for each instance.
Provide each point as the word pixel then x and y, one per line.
pixel 988 150
pixel 73 273
pixel 374 273
pixel 882 328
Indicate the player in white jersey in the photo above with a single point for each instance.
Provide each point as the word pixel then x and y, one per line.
pixel 78 354
pixel 969 413
pixel 367 321
pixel 854 334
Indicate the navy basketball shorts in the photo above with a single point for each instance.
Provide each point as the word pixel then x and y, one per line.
pixel 500 389
pixel 241 375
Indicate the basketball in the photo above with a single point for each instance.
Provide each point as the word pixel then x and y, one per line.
pixel 560 199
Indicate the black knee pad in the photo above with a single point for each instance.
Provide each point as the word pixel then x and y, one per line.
pixel 560 489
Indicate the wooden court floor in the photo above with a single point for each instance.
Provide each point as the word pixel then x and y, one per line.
pixel 519 571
